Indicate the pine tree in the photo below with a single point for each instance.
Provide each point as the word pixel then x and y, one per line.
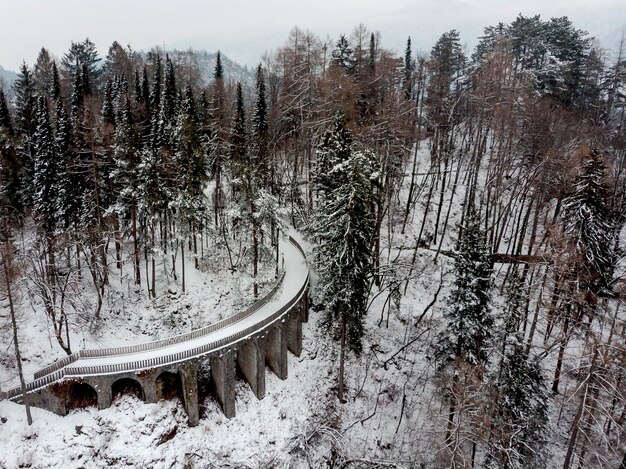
pixel 220 131
pixel 343 227
pixel 468 321
pixel 55 89
pixel 260 155
pixel 85 79
pixel 70 187
pixel 169 96
pixel 25 102
pixel 145 89
pixel 238 140
pixel 519 427
pixel 590 224
pixel 78 93
pixel 156 137
pixel 107 112
pixel 343 55
pixel 10 165
pixel 82 54
pixel 409 70
pixel 46 172
pixel 218 73
pixel 6 126
pixel 25 124
pixel 334 148
pixel 126 176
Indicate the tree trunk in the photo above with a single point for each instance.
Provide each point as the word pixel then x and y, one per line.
pixel 342 358
pixel 136 246
pixel 153 286
pixel 182 259
pixel 18 356
pixel 559 361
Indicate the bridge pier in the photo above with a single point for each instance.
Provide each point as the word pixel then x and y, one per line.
pixel 149 390
pixel 251 361
pixel 223 372
pixel 188 373
pixel 276 350
pixel 305 306
pixel 105 395
pixel 294 332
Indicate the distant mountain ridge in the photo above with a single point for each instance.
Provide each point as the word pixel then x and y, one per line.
pixel 7 77
pixel 232 70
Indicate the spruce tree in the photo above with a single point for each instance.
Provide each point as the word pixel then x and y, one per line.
pixel 10 165
pixel 145 89
pixel 343 227
pixel 25 124
pixel 468 321
pixel 519 426
pixel 334 148
pixel 6 125
pixel 343 55
pixel 78 93
pixel 46 172
pixel 238 139
pixel 69 184
pixel 218 73
pixel 82 54
pixel 260 153
pixel 409 70
pixel 25 102
pixel 107 112
pixel 55 89
pixel 169 96
pixel 590 226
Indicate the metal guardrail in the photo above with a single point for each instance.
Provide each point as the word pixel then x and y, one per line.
pixel 196 352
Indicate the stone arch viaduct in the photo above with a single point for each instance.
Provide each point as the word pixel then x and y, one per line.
pixel 242 344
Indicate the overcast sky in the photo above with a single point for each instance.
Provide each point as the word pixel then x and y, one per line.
pixel 244 29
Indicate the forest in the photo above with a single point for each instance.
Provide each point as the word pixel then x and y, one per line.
pixel 465 211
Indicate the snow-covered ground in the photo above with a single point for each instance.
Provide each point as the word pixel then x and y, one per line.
pixel 394 416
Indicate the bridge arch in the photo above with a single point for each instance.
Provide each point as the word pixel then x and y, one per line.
pixel 168 386
pixel 127 386
pixel 80 396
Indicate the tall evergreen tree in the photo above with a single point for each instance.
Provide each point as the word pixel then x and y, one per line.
pixel 238 139
pixel 169 95
pixel 55 89
pixel 519 396
pixel 25 124
pixel 46 172
pixel 218 73
pixel 82 54
pixel 409 70
pixel 70 186
pixel 260 154
pixel 10 165
pixel 344 227
pixel 590 225
pixel 5 117
pixel 468 321
pixel 343 55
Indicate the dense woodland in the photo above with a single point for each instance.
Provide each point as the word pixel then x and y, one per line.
pixel 114 163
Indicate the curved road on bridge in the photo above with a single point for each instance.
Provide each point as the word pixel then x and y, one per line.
pixel 287 295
